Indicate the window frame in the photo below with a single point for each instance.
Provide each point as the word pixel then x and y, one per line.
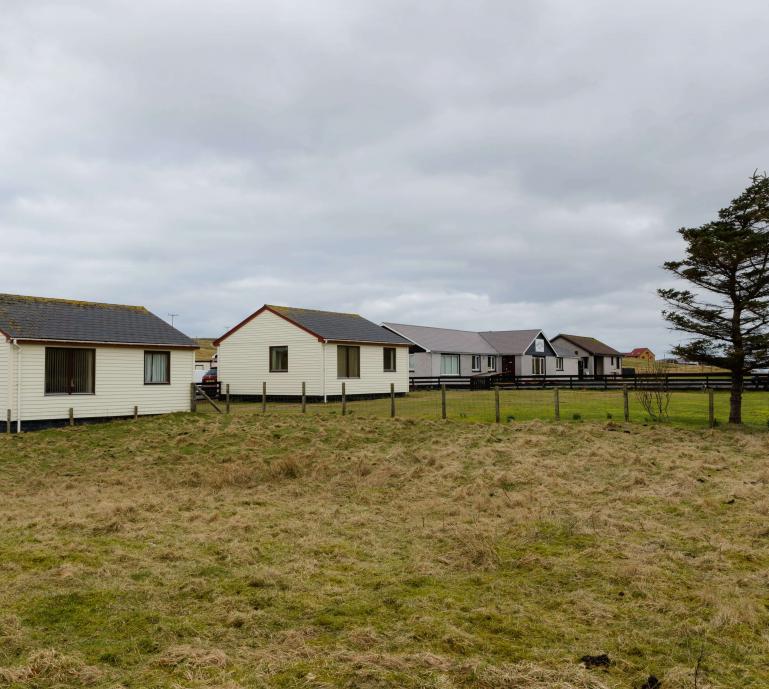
pixel 491 363
pixel 69 393
pixel 168 366
pixel 473 367
pixel 538 362
pixel 393 351
pixel 455 357
pixel 559 363
pixel 347 349
pixel 412 362
pixel 275 348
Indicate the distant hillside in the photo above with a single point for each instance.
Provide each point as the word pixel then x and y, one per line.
pixel 207 349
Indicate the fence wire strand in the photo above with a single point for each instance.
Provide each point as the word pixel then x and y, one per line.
pixel 689 408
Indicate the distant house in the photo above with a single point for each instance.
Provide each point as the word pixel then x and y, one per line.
pixel 451 352
pixel 100 360
pixel 284 347
pixel 594 358
pixel 641 353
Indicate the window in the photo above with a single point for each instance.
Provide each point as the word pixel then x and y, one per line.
pixel 69 371
pixel 412 361
pixel 347 361
pixel 278 359
pixel 538 365
pixel 389 358
pixel 449 364
pixel 491 363
pixel 559 363
pixel 157 368
pixel 476 362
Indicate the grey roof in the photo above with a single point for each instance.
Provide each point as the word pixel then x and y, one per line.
pixel 345 327
pixel 444 339
pixel 563 351
pixel 510 341
pixel 39 318
pixel 590 345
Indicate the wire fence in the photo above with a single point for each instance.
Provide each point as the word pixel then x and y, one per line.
pixel 695 409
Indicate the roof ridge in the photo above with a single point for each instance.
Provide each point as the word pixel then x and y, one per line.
pixel 301 308
pixel 71 302
pixel 433 327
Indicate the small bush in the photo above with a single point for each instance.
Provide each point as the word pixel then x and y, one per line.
pixel 577 417
pixel 510 417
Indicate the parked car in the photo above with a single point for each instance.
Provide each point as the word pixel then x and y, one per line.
pixel 210 376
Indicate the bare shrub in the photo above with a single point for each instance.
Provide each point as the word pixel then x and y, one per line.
pixel 652 392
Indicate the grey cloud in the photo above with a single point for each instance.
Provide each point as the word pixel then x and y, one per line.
pixel 481 165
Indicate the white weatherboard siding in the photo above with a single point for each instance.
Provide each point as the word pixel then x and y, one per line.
pixel 5 377
pixel 373 378
pixel 119 385
pixel 244 358
pixel 244 362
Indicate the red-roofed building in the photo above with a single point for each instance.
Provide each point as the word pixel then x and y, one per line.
pixel 641 353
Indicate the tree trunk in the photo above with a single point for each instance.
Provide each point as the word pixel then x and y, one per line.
pixel 735 399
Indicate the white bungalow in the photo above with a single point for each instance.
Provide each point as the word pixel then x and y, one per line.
pixel 285 347
pixel 99 360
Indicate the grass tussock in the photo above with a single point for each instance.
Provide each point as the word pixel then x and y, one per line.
pixel 247 551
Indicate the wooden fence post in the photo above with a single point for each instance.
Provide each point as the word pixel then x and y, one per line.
pixel 193 397
pixel 557 402
pixel 711 409
pixel 227 399
pixel 443 400
pixel 392 400
pixel 8 422
pixel 136 412
pixel 344 399
pixel 497 416
pixel 626 403
pixel 71 416
pixel 304 398
pixel 264 396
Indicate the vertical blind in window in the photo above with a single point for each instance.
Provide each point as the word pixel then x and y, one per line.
pixel 69 371
pixel 157 368
pixel 449 364
pixel 347 361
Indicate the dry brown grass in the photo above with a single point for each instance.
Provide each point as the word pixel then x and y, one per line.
pixel 289 551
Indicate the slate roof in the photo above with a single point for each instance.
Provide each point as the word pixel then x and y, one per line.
pixel 65 320
pixel 590 345
pixel 329 325
pixel 563 350
pixel 332 325
pixel 510 342
pixel 443 339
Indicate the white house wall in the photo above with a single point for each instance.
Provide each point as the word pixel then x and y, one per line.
pixel 244 358
pixel 373 378
pixel 244 362
pixel 5 377
pixel 118 384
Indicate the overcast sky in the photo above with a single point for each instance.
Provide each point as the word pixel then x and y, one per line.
pixel 484 164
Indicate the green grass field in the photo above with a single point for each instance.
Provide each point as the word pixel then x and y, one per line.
pixel 687 409
pixel 205 551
